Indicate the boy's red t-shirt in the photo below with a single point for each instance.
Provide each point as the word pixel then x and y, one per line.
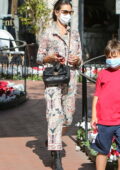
pixel 108 92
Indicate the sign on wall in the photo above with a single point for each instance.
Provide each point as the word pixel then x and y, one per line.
pixel 8 21
pixel 117 6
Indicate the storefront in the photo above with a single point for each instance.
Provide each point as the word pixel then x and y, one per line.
pixel 100 25
pixel 8 16
pixel 96 19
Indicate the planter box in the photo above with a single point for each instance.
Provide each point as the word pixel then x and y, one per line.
pixel 13 103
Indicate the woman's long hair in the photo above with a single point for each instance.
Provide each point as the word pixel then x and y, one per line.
pixel 57 7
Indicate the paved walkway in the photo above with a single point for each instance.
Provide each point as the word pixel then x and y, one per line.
pixel 23 132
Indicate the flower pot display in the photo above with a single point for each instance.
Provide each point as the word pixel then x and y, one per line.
pixel 11 94
pixel 86 144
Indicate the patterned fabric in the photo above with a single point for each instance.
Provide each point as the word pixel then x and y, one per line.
pixel 60 100
pixel 60 109
pixel 51 42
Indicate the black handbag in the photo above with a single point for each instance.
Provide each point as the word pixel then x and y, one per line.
pixel 57 74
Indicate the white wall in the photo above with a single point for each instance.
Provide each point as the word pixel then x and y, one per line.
pixel 3 9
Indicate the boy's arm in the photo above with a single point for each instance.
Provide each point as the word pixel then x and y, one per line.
pixel 94 113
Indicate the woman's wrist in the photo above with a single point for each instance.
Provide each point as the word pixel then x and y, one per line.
pixel 77 63
pixel 46 59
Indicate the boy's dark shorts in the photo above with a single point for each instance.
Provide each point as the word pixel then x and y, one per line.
pixel 104 138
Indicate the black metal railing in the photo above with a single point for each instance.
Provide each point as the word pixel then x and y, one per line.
pixel 13 60
pixel 17 64
pixel 89 71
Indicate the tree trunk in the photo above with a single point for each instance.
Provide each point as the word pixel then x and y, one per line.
pixel 14 7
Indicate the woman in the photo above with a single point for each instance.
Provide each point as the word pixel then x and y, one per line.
pixel 60 44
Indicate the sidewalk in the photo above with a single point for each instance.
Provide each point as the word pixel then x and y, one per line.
pixel 23 132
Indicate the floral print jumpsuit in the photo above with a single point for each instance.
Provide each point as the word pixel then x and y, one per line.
pixel 60 100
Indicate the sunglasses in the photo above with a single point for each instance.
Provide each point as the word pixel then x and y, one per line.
pixel 67 12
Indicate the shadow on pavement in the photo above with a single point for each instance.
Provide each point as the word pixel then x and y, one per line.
pixel 38 147
pixel 29 120
pixel 87 166
pixel 91 166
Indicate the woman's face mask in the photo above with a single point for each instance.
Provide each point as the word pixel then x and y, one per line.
pixel 113 62
pixel 65 19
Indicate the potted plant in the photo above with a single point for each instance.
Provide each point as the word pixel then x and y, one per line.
pixel 85 145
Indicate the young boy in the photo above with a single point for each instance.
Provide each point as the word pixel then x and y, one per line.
pixel 106 105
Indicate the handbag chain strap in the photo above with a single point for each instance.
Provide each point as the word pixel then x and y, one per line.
pixel 69 43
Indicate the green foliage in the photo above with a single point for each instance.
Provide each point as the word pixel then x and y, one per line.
pixel 85 146
pixel 81 134
pixel 19 77
pixel 91 151
pixel 79 78
pixel 34 14
pixel 83 143
pixel 35 77
pixel 114 145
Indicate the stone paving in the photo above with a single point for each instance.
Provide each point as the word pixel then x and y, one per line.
pixel 23 132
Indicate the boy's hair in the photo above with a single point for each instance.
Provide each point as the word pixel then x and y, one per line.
pixel 112 47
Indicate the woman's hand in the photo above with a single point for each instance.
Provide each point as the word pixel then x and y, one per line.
pixel 51 58
pixel 60 58
pixel 54 58
pixel 74 60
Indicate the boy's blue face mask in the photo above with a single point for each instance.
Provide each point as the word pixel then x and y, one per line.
pixel 113 62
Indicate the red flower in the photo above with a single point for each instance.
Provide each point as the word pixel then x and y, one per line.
pixel 4 89
pixel 96 71
pixel 38 69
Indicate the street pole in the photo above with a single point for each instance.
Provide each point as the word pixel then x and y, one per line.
pixel 81 20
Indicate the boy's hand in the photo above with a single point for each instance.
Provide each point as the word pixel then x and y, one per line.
pixel 94 114
pixel 93 123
